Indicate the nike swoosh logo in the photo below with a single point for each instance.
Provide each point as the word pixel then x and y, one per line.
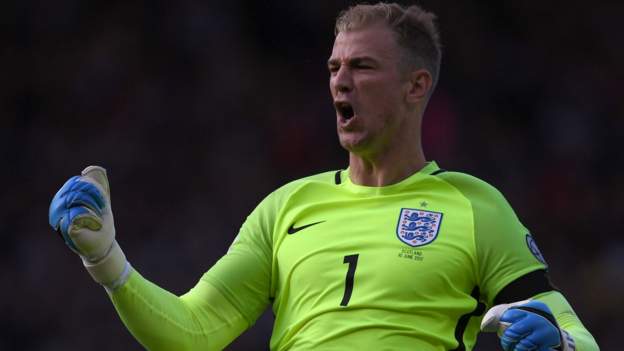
pixel 293 230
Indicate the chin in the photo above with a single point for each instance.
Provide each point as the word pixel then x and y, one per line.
pixel 353 144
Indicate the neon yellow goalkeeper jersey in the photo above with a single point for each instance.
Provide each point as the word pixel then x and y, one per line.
pixel 376 268
pixel 411 266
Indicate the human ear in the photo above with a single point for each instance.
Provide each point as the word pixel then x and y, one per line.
pixel 419 85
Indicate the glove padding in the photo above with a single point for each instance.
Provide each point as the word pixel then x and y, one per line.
pixel 81 213
pixel 526 326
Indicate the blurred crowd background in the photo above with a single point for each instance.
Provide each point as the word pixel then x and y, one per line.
pixel 198 109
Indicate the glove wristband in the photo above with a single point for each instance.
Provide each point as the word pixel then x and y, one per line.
pixel 108 269
pixel 111 287
pixel 567 342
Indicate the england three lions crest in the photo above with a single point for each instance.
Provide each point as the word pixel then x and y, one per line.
pixel 418 227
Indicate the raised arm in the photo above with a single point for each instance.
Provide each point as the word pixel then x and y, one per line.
pixel 225 301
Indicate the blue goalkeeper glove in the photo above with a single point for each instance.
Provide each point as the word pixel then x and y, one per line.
pixel 81 213
pixel 526 326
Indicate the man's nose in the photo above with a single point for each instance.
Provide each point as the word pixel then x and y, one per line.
pixel 343 81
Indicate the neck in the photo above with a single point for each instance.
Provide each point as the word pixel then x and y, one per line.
pixel 386 168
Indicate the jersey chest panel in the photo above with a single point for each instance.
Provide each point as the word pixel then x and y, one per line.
pixel 358 239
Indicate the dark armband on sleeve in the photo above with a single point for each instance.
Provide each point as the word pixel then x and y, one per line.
pixel 525 287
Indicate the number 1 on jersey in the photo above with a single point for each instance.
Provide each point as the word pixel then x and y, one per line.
pixel 352 261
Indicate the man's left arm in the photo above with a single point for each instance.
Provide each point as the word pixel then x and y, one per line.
pixel 511 270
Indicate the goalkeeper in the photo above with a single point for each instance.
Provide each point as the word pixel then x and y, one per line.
pixel 391 253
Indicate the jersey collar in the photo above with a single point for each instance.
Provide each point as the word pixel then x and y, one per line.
pixel 429 168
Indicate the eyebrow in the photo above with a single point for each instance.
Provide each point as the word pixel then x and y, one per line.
pixel 352 61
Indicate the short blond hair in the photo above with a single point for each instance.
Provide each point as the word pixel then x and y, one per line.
pixel 415 30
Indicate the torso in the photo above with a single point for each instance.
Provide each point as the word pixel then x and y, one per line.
pixel 412 281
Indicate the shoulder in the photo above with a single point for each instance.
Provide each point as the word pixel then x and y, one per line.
pixel 318 182
pixel 267 212
pixel 328 178
pixel 475 190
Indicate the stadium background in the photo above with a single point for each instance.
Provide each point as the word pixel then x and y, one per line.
pixel 199 109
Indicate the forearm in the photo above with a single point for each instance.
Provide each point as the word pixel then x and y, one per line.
pixel 201 319
pixel 568 320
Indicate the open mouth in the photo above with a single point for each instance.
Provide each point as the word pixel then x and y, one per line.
pixel 345 110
